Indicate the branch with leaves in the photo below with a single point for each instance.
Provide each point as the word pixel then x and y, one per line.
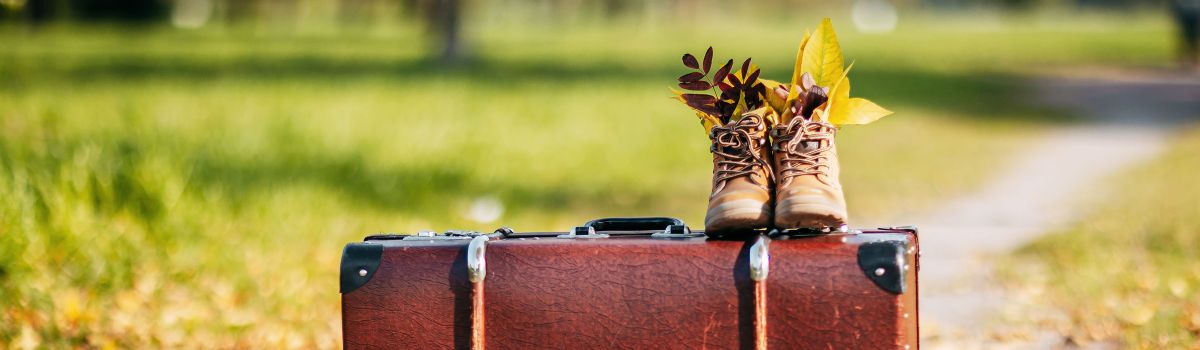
pixel 820 56
pixel 819 89
pixel 724 95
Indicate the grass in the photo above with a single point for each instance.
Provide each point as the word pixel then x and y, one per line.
pixel 165 188
pixel 1129 272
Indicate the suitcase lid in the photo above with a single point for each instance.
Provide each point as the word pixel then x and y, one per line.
pixel 881 251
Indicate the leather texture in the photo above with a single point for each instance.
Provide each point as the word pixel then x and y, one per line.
pixel 420 298
pixel 635 292
pixel 819 298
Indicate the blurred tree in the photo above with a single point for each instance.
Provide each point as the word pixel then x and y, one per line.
pixel 1187 18
pixel 122 10
pixel 41 11
pixel 1018 5
pixel 443 20
pixel 618 8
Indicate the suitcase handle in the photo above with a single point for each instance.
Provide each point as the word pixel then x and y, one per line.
pixel 633 224
pixel 638 225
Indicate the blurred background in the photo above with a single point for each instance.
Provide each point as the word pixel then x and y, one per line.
pixel 184 173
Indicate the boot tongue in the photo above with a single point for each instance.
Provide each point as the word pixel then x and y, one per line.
pixel 732 150
pixel 808 146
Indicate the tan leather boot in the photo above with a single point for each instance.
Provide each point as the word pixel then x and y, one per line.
pixel 807 191
pixel 741 187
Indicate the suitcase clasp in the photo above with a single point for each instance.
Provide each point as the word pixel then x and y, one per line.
pixel 434 236
pixel 676 231
pixel 583 232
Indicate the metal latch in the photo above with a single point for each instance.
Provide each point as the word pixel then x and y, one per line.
pixel 583 232
pixel 448 235
pixel 676 231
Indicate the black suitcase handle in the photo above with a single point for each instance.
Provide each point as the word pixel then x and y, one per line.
pixel 633 224
pixel 657 227
pixel 660 227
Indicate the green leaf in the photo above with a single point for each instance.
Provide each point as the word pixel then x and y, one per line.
pixel 823 56
pixel 859 111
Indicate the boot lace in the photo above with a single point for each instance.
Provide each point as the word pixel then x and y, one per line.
pixel 798 160
pixel 737 149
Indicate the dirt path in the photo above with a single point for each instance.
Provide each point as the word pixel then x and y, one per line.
pixel 1130 118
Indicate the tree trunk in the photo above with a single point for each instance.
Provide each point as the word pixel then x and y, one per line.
pixel 1187 18
pixel 445 20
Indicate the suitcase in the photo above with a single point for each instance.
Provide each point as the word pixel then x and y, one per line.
pixel 631 283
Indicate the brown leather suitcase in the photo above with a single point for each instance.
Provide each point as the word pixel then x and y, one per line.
pixel 631 283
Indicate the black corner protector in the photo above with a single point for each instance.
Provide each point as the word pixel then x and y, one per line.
pixel 359 263
pixel 883 263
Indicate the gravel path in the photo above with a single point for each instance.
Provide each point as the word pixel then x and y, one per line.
pixel 1047 188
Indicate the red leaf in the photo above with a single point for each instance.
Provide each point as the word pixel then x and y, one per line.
pixel 746 67
pixel 708 60
pixel 753 78
pixel 696 85
pixel 731 95
pixel 724 86
pixel 691 77
pixel 719 77
pixel 690 61
pixel 703 99
pixel 733 80
pixel 703 103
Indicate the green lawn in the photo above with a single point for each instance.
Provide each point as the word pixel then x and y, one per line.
pixel 1128 272
pixel 167 187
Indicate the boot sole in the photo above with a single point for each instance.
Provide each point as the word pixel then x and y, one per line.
pixel 814 216
pixel 738 215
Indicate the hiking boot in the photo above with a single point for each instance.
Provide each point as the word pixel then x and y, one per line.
pixel 741 186
pixel 807 191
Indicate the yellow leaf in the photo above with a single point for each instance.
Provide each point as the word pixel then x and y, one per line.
pixel 859 111
pixel 764 112
pixel 839 96
pixel 706 121
pixel 822 55
pixel 778 103
pixel 740 108
pixel 769 116
pixel 836 108
pixel 793 94
pixel 819 114
pixel 797 71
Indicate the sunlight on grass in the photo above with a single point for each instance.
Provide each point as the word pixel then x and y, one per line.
pixel 170 188
pixel 1129 271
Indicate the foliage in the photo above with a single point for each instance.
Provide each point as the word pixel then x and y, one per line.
pixel 740 91
pixel 820 57
pixel 818 71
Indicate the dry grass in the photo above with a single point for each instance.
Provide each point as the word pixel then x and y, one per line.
pixel 1129 272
